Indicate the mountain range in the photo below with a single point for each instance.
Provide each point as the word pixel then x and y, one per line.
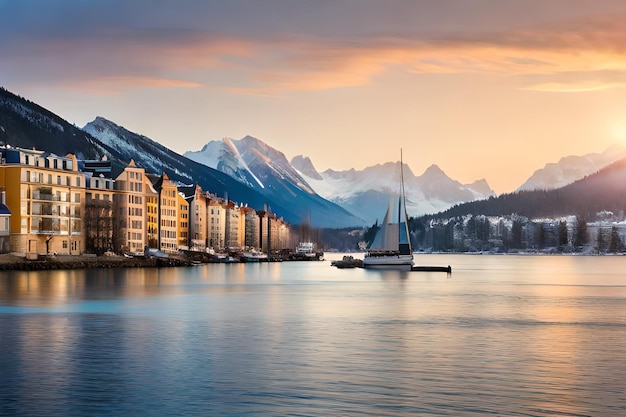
pixel 364 193
pixel 251 172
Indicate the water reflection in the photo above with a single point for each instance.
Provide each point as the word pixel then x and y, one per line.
pixel 501 336
pixel 58 288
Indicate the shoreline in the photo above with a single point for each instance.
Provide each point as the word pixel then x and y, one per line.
pixel 19 262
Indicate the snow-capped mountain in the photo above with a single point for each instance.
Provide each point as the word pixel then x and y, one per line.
pixel 571 168
pixel 266 170
pixel 304 165
pixel 366 193
pixel 250 161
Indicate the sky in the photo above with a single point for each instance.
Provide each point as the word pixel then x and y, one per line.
pixel 485 89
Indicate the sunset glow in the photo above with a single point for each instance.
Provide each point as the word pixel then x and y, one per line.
pixel 485 89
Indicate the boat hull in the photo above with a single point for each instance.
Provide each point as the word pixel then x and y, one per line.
pixel 253 257
pixel 397 262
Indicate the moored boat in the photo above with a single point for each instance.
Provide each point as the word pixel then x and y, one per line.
pixel 391 247
pixel 253 256
pixel 348 261
pixel 305 251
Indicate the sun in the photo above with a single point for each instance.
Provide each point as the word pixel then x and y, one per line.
pixel 618 133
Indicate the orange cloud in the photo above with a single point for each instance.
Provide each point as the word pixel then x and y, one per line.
pixel 595 47
pixel 114 85
pixel 284 62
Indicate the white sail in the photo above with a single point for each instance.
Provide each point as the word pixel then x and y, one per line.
pixel 384 239
pixel 391 247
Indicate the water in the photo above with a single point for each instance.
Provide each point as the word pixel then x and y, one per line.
pixel 501 335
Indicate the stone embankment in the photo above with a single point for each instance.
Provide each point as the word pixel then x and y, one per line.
pixel 20 262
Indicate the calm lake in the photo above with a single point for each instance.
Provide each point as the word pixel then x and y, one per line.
pixel 501 335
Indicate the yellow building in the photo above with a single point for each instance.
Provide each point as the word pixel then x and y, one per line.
pixel 183 222
pixel 168 214
pixel 46 196
pixel 152 214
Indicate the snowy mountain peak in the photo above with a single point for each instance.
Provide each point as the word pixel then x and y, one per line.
pixel 305 166
pixel 571 168
pixel 481 187
pixel 250 161
pixel 434 172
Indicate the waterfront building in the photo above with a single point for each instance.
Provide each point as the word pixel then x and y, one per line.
pixel 130 209
pixel 45 194
pixel 284 235
pixel 216 223
pixel 251 227
pixel 152 214
pixel 198 220
pixel 5 229
pixel 268 231
pixel 183 222
pixel 231 226
pixel 98 216
pixel 168 214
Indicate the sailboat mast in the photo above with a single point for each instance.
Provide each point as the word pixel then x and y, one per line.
pixel 402 204
pixel 401 190
pixel 401 200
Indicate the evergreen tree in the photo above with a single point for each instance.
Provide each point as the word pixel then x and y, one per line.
pixel 601 241
pixel 581 237
pixel 616 244
pixel 516 234
pixel 541 235
pixel 563 233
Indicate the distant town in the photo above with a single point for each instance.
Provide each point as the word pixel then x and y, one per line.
pixel 59 205
pixel 520 234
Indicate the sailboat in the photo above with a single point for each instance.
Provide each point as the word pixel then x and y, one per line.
pixel 391 247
